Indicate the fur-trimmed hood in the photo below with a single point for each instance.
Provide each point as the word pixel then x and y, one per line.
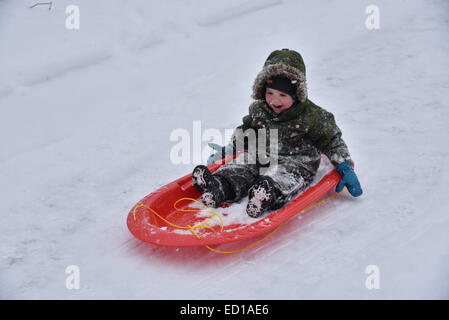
pixel 285 62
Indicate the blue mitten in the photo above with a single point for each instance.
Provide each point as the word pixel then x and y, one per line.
pixel 348 179
pixel 222 152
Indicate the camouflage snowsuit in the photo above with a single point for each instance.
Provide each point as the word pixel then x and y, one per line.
pixel 304 130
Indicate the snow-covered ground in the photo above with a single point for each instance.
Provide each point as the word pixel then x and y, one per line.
pixel 86 116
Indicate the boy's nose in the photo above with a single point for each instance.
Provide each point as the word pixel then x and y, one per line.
pixel 275 102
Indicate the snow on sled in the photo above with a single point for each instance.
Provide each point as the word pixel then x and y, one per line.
pixel 173 216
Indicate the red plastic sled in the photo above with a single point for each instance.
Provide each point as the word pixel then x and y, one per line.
pixel 148 227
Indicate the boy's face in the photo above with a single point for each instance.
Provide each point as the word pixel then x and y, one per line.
pixel 278 100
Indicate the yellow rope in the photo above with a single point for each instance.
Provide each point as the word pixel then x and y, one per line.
pixel 320 202
pixel 215 214
pixel 196 210
pixel 248 246
pixel 201 225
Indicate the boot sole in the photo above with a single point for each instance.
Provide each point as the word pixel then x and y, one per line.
pixel 260 203
pixel 204 182
pixel 202 179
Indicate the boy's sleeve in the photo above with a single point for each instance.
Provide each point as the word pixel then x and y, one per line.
pixel 326 136
pixel 237 137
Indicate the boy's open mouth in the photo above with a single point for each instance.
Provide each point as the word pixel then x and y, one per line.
pixel 277 107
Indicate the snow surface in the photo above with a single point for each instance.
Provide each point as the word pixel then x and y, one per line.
pixel 85 120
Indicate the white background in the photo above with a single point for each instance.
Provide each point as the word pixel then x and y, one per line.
pixel 85 119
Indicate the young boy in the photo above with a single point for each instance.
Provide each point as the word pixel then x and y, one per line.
pixel 304 131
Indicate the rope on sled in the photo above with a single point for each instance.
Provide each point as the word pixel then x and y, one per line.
pixel 215 214
pixel 192 229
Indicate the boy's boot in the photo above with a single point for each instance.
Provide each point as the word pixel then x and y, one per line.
pixel 214 189
pixel 261 197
